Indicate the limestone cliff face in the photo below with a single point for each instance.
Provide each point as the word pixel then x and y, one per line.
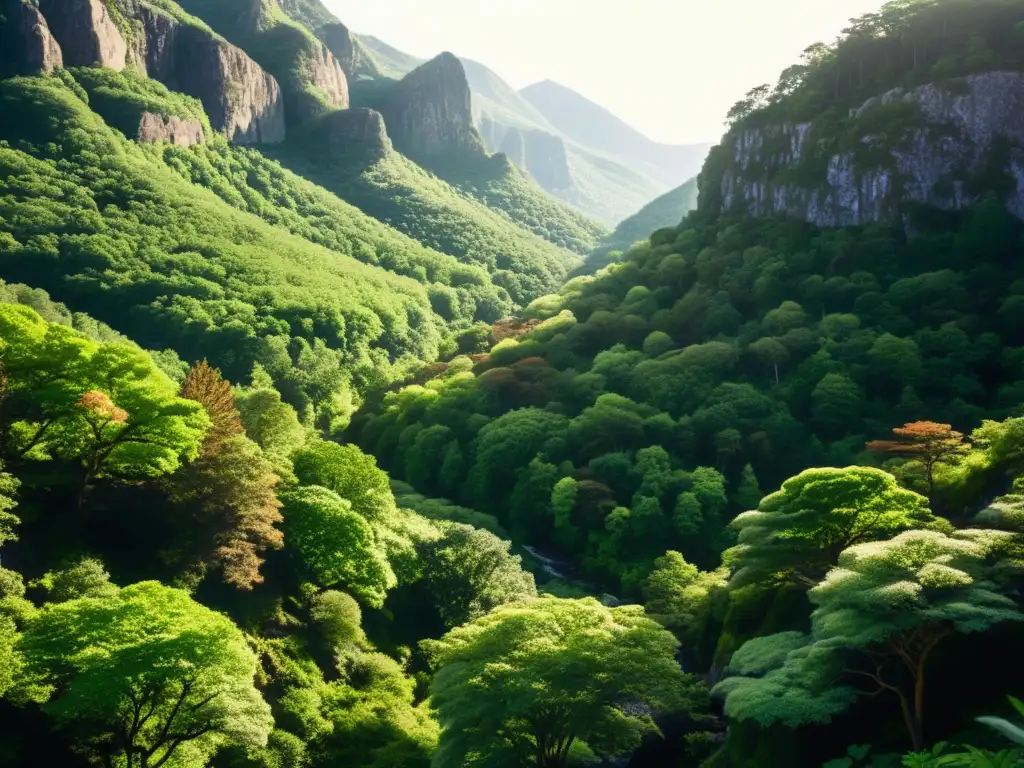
pixel 945 145
pixel 176 130
pixel 26 43
pixel 429 113
pixel 242 100
pixel 325 76
pixel 86 33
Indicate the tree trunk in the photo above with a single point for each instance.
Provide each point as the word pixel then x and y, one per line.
pixel 910 719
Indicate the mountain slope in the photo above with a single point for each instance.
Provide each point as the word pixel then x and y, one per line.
pixel 605 187
pixel 666 211
pixel 593 126
pixel 135 245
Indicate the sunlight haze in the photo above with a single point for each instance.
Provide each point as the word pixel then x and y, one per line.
pixel 670 68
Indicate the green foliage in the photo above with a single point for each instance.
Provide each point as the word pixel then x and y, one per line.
pixel 105 406
pixel 336 545
pixel 568 668
pixel 895 600
pixel 139 246
pixel 422 206
pixel 8 520
pixel 85 578
pixel 145 650
pixel 337 618
pixel 470 572
pixel 679 595
pixel 798 532
pixel 348 472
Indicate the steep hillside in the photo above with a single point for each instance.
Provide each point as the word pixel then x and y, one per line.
pixel 845 299
pixel 135 245
pixel 387 186
pixel 667 211
pixel 593 126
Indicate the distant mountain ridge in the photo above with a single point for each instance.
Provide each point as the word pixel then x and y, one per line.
pixel 593 126
pixel 608 171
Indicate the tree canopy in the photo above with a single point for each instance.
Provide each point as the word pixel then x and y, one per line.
pixel 571 670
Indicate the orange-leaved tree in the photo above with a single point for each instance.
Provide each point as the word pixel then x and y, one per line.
pixel 929 443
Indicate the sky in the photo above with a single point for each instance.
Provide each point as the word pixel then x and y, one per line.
pixel 670 68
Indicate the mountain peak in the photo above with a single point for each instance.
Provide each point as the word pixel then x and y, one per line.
pixel 430 114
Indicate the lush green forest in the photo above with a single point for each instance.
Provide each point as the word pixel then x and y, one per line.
pixel 309 460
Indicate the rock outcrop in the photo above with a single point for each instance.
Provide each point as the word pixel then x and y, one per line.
pixel 358 135
pixel 181 132
pixel 242 100
pixel 322 79
pixel 86 33
pixel 26 43
pixel 513 146
pixel 547 161
pixel 353 58
pixel 945 145
pixel 429 113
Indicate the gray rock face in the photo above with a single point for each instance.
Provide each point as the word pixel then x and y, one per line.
pixel 514 147
pixel 355 133
pixel 176 130
pixel 242 100
pixel 547 161
pixel 342 45
pixel 326 75
pixel 964 135
pixel 86 33
pixel 26 44
pixel 429 113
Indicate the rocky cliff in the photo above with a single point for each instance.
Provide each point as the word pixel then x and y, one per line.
pixel 242 100
pixel 945 145
pixel 86 33
pixel 26 44
pixel 353 57
pixel 357 134
pixel 429 113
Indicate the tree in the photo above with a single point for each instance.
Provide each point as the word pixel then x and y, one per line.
pixel 880 615
pixel 336 545
pixel 798 532
pixel 678 595
pixel 106 406
pixel 145 677
pixel 270 422
pixel 229 491
pixel 207 387
pixel 350 473
pixel 84 578
pixel 929 443
pixel 470 572
pixel 8 520
pixel 836 405
pixel 522 684
pixel 338 619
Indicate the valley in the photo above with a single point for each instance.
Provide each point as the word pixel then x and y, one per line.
pixel 359 409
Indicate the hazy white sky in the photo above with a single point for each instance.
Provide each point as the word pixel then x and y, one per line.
pixel 671 68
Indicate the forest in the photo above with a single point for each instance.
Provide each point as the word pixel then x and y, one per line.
pixel 298 471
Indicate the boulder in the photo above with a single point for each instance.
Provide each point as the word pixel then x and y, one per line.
pixel 181 132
